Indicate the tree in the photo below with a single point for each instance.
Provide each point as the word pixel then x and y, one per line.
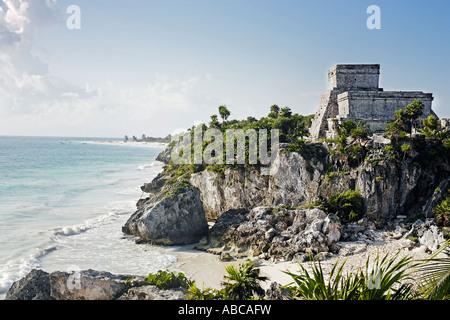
pixel 285 112
pixel 251 119
pixel 224 113
pixel 397 129
pixel 414 111
pixel 406 148
pixel 432 130
pixel 126 138
pixel 361 132
pixel 243 283
pixel 274 111
pixel 214 123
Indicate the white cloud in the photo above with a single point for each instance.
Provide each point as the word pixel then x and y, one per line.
pixel 35 102
pixel 25 84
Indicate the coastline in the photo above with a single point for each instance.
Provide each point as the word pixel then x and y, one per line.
pixel 208 271
pixel 130 143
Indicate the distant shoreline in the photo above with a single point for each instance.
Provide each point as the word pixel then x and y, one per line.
pixel 130 143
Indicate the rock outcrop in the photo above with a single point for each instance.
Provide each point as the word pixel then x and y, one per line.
pixel 389 188
pixel 175 216
pixel 34 286
pixel 87 285
pixel 272 232
pixel 230 190
pixel 153 293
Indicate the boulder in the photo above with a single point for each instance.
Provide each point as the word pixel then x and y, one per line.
pixel 432 238
pixel 272 232
pixel 34 286
pixel 81 285
pixel 175 216
pixel 153 293
pixel 88 285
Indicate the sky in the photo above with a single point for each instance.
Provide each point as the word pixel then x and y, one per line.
pixel 157 66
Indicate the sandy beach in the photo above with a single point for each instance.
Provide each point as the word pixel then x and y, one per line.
pixel 206 268
pixel 130 143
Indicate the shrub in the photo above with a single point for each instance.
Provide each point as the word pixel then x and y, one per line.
pixel 165 279
pixel 346 205
pixel 442 212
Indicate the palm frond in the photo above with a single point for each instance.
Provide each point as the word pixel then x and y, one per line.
pixel 434 275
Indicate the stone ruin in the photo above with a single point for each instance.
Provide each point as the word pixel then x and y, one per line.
pixel 353 93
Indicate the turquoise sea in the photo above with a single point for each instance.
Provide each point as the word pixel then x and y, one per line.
pixel 63 202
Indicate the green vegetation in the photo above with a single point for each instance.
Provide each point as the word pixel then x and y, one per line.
pixel 400 131
pixel 377 282
pixel 240 283
pixel 346 205
pixel 243 283
pixel 387 278
pixel 435 276
pixel 442 212
pixel 349 141
pixel 165 279
pixel 149 139
pixel 384 278
pixel 292 127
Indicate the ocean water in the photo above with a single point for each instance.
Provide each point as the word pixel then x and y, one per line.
pixel 63 202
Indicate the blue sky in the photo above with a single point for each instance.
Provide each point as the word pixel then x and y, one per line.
pixel 156 66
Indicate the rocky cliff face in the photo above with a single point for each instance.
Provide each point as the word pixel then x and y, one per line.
pixel 389 188
pixel 234 189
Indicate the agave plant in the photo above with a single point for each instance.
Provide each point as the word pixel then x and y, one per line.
pixel 316 287
pixel 382 280
pixel 243 283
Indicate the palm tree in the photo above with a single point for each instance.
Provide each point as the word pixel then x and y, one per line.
pixel 243 283
pixel 285 112
pixel 414 111
pixel 224 113
pixel 274 111
pixel 214 123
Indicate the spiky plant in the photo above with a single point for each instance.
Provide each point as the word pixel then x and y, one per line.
pixel 316 287
pixel 383 279
pixel 242 283
pixel 435 275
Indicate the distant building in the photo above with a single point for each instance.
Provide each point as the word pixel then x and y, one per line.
pixel 354 93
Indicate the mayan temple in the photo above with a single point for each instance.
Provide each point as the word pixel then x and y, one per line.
pixel 354 93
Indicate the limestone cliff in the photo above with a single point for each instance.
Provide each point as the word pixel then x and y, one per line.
pixel 410 186
pixel 390 186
